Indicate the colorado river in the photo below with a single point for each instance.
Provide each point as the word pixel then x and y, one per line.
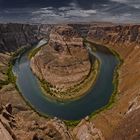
pixel 96 98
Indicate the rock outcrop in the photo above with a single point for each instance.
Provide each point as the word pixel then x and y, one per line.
pixel 129 128
pixel 86 130
pixel 14 36
pixel 7 122
pixel 64 61
pixel 57 128
pixel 116 35
pixel 119 122
pixel 13 118
pixel 53 129
pixel 125 40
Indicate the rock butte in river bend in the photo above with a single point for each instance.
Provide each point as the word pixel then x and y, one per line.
pixel 120 122
pixel 64 61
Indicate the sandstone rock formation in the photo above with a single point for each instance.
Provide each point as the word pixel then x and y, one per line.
pixel 116 35
pixel 36 127
pixel 129 128
pixel 86 130
pixel 119 122
pixel 14 36
pixel 7 122
pixel 13 127
pixel 124 39
pixel 57 128
pixel 64 62
pixel 53 129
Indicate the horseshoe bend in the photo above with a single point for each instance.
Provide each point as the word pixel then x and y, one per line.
pixel 38 65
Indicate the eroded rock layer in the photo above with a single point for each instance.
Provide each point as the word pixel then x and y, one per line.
pixel 124 39
pixel 121 121
pixel 64 61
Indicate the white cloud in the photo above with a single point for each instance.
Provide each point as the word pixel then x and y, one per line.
pixel 90 11
pixel 74 13
pixel 41 11
pixel 63 13
pixel 80 13
pixel 121 1
pixel 132 3
pixel 137 6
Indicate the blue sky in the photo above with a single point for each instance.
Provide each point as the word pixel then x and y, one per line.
pixel 60 11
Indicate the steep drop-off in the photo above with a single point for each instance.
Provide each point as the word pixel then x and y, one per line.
pixel 124 39
pixel 23 123
pixel 120 122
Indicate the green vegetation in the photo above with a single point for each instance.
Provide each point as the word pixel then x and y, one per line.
pixel 72 93
pixel 112 100
pixel 95 69
pixel 75 92
pixel 33 52
pixel 72 123
pixel 11 78
pixel 113 97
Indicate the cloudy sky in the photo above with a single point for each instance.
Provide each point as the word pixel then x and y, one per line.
pixel 59 11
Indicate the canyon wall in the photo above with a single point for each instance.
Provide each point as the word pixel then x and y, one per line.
pixel 64 61
pixel 125 40
pixel 14 36
pixel 116 35
pixel 121 121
